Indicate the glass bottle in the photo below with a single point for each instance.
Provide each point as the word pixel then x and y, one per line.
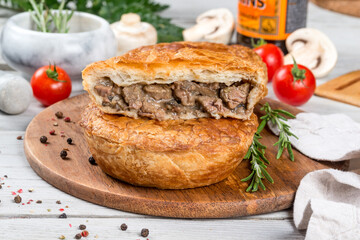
pixel 272 20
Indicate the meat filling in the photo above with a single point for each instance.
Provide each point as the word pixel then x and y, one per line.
pixel 176 100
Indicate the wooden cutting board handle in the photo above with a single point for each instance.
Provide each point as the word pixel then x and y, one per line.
pixel 349 7
pixel 345 88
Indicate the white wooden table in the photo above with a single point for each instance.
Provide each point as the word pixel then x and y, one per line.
pixel 40 221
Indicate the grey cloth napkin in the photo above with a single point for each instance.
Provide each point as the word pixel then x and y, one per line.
pixel 327 203
pixel 333 137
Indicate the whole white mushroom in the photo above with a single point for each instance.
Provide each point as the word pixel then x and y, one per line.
pixel 215 25
pixel 131 33
pixel 313 49
pixel 15 93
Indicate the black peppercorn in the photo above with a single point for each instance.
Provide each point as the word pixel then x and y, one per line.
pixel 92 161
pixel 63 215
pixel 39 202
pixel 123 227
pixel 69 141
pixel 82 227
pixel 17 199
pixel 144 232
pixel 59 114
pixel 43 139
pixel 63 154
pixel 58 202
pixel 78 236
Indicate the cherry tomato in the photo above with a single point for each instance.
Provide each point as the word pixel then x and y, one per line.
pixel 272 56
pixel 294 84
pixel 50 84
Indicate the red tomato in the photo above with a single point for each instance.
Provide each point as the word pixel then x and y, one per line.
pixel 272 56
pixel 50 84
pixel 294 84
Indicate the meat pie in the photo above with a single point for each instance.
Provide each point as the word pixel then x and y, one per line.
pixel 182 80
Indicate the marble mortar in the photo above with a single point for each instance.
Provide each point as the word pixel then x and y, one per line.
pixel 90 39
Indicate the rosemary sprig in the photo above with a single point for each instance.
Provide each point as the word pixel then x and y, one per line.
pixel 40 16
pixel 48 20
pixel 256 153
pixel 61 18
pixel 284 129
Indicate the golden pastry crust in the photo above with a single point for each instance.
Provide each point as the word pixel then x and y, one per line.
pixel 173 154
pixel 166 63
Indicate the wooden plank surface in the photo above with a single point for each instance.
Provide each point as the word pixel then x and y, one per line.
pixel 340 28
pixel 160 229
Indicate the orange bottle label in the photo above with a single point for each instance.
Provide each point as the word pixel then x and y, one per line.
pixel 262 19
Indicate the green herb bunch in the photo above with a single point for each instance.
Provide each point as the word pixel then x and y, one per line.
pixel 112 10
pixel 47 20
pixel 256 152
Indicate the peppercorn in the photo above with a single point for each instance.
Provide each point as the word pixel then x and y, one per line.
pixel 17 199
pixel 123 227
pixel 92 161
pixel 67 119
pixel 63 154
pixel 69 141
pixel 144 232
pixel 5 176
pixel 82 227
pixel 52 132
pixel 0 186
pixel 39 202
pixel 63 215
pixel 59 114
pixel 78 236
pixel 19 138
pixel 43 139
pixel 58 202
pixel 85 233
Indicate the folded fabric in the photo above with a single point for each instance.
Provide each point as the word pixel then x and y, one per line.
pixel 333 137
pixel 327 202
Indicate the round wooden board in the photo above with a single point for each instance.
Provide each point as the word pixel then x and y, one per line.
pixel 222 200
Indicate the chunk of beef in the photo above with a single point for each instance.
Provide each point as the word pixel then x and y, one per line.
pixel 234 96
pixel 186 92
pixel 152 109
pixel 133 96
pixel 207 90
pixel 102 90
pixel 211 105
pixel 158 92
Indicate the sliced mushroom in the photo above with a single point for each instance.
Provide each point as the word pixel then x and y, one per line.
pixel 313 49
pixel 131 33
pixel 216 25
